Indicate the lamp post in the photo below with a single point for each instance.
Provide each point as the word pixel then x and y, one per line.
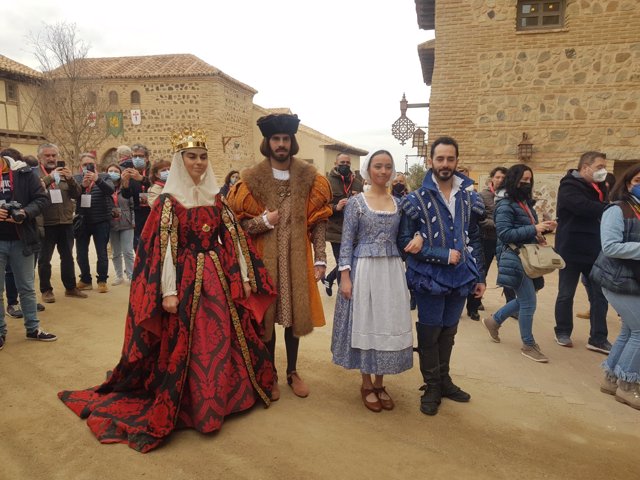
pixel 403 128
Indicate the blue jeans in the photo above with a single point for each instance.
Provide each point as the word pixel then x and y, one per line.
pixel 439 310
pixel 100 233
pixel 624 359
pixel 122 246
pixel 525 306
pixel 567 283
pixel 24 274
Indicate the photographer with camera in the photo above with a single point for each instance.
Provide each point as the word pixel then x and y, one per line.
pixel 58 222
pixel 136 184
pixel 93 219
pixel 22 199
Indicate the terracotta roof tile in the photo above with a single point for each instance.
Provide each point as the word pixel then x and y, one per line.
pixel 11 66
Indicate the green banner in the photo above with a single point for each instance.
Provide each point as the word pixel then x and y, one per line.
pixel 115 126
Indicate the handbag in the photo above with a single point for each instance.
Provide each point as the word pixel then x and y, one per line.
pixel 538 260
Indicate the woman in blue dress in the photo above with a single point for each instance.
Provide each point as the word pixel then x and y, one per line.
pixel 372 328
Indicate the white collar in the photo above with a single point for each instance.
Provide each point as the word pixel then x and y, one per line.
pixel 280 174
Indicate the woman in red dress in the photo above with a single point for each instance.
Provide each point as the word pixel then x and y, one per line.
pixel 192 349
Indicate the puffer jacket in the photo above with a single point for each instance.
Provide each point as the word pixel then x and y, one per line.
pixel 513 225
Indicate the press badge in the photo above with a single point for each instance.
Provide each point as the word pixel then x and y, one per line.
pixel 85 201
pixel 56 195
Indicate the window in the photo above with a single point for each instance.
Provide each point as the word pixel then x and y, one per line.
pixel 540 14
pixel 12 92
pixel 113 98
pixel 135 97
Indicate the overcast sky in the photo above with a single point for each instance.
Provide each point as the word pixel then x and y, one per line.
pixel 341 65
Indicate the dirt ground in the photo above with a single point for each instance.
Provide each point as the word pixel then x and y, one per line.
pixel 525 420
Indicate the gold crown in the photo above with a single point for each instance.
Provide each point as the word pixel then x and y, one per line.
pixel 188 138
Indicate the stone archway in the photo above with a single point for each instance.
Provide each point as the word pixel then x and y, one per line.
pixel 110 156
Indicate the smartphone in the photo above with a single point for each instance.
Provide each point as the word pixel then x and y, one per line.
pixel 127 164
pixel 91 167
pixel 60 164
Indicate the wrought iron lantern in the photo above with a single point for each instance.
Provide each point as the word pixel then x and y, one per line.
pixel 525 149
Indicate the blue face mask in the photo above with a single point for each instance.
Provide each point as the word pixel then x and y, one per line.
pixel 138 162
pixel 635 191
pixel 115 176
pixel 84 170
pixel 163 175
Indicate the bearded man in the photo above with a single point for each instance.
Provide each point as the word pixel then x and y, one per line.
pixel 283 204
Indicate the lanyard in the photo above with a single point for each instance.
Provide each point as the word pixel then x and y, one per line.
pixel 114 195
pixel 142 187
pixel 160 183
pixel 491 188
pixel 597 189
pixel 635 207
pixel 347 189
pixel 89 188
pixel 526 209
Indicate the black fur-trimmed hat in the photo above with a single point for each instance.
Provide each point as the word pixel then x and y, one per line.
pixel 270 125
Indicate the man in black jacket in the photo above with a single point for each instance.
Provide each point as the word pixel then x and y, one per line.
pixel 94 207
pixel 22 199
pixel 581 200
pixel 136 184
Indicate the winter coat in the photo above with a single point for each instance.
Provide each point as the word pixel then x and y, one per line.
pixel 125 221
pixel 487 224
pixel 579 210
pixel 334 226
pixel 60 213
pixel 513 225
pixel 101 200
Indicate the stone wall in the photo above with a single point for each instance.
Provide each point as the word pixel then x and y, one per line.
pixel 571 90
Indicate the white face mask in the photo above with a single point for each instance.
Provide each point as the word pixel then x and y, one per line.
pixel 600 175
pixel 366 188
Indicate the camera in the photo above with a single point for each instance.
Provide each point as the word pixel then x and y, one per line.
pixel 15 211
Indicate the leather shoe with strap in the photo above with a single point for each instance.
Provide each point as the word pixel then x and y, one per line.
pixel 387 404
pixel 299 388
pixel 374 406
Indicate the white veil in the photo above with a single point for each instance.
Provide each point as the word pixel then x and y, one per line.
pixel 180 185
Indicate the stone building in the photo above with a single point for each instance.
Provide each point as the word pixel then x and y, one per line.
pixel 565 72
pixel 159 94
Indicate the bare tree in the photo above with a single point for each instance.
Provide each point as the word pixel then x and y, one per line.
pixel 70 104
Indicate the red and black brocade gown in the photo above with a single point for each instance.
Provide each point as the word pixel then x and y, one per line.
pixel 193 368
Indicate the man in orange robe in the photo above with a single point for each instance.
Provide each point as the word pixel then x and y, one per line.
pixel 283 204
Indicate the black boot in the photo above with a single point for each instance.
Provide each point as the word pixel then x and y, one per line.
pixel 445 345
pixel 429 367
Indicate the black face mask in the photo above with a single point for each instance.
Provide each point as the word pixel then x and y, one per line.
pixel 525 190
pixel 344 170
pixel 399 189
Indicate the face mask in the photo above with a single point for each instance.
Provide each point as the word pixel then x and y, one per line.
pixel 84 170
pixel 635 191
pixel 233 180
pixel 163 175
pixel 600 175
pixel 525 189
pixel 115 176
pixel 56 177
pixel 344 170
pixel 138 162
pixel 398 189
pixel 366 188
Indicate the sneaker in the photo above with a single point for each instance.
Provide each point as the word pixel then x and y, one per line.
pixel 493 328
pixel 74 292
pixel 102 287
pixel 84 286
pixel 39 307
pixel 533 352
pixel 474 316
pixel 15 311
pixel 604 347
pixel 564 340
pixel 48 297
pixel 609 384
pixel 2 340
pixel 328 286
pixel 586 315
pixel 41 335
pixel 481 308
pixel 117 281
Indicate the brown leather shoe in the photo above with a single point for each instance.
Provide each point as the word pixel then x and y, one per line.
pixel 74 292
pixel 275 390
pixel 84 286
pixel 102 287
pixel 299 388
pixel 373 406
pixel 48 297
pixel 387 404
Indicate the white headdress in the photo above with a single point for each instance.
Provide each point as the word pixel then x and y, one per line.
pixel 364 166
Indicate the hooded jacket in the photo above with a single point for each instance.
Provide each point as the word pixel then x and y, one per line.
pixel 579 210
pixel 28 191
